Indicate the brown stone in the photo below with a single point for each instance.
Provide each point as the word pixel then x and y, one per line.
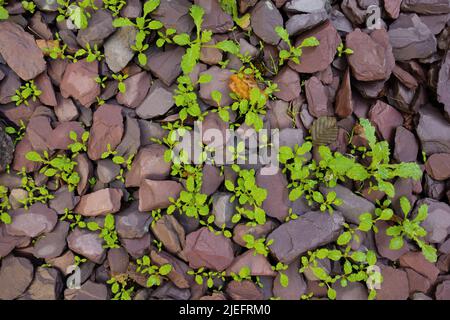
pixel 100 202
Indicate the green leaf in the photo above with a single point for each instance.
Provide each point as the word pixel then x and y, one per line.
pixel 358 256
pixel 190 58
pixel 109 222
pixel 282 33
pixel 405 205
pixel 50 172
pixel 358 173
pixel 150 6
pixel 182 39
pixel 310 42
pixel 197 13
pixel 142 58
pixel 331 293
pixel 394 231
pixel 5 218
pixel 369 131
pixel 396 243
pixel 387 188
pixel 93 226
pixel 228 46
pixel 344 238
pixel 165 269
pixel 3 13
pixel 284 280
pixel 285 154
pixel 34 156
pixel 429 253
pixel 422 213
pixel 216 96
pixel 371 257
pixel 155 25
pixel 205 78
pixel 229 185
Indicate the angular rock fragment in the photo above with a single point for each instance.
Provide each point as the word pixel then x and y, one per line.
pixel 100 203
pixel 87 244
pixel 38 219
pixel 155 194
pixel 16 275
pixel 308 232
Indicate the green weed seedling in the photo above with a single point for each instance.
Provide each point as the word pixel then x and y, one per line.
pixel 59 167
pixel 108 233
pixel 119 160
pixel 201 275
pixel 186 98
pixel 291 216
pixel 77 260
pixel 118 288
pixel 294 53
pixel 306 175
pixel 91 54
pixel 76 220
pixel 248 195
pixel 120 78
pixel 342 50
pixel 411 229
pixel 144 25
pixel 261 245
pixel 4 14
pixel 165 36
pixel 29 6
pixel 222 111
pixel 77 13
pixel 17 134
pixel 114 6
pixel 156 273
pixel 78 146
pixel 35 193
pixel 284 279
pixel 192 55
pixel 26 92
pixel 4 205
pixel 252 109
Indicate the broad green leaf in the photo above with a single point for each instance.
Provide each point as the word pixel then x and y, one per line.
pixel 344 238
pixel 205 78
pixel 182 39
pixel 369 131
pixel 150 6
pixel 197 13
pixel 282 33
pixel 358 173
pixel 228 46
pixel 165 269
pixel 284 280
pixel 396 243
pixel 429 253
pixel 331 293
pixel 34 156
pixel 93 226
pixel 422 213
pixel 3 13
pixel 405 205
pixel 310 42
pixel 190 58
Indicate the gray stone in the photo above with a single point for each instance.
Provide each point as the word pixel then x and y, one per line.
pixel 87 244
pixel 131 224
pixel 433 131
pixel 118 50
pixel 16 275
pixel 309 231
pixel 265 17
pixel 47 285
pixel 100 27
pixel 437 223
pixel 158 101
pixel 52 244
pixel 223 209
pixel 38 219
pixel 302 22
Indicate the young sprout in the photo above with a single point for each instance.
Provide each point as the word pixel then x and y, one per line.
pixel 25 92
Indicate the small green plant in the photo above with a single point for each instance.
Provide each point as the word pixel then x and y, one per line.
pixel 118 287
pixel 78 146
pixel 248 195
pixel 222 111
pixel 78 260
pixel 284 279
pixel 186 98
pixel 252 109
pixel 91 54
pixel 108 233
pixel 294 53
pixel 77 12
pixel 341 50
pixel 120 82
pixel 165 37
pixel 411 229
pixel 4 14
pixel 357 266
pixel 114 6
pixel 243 274
pixel 29 6
pixel 158 244
pixel 76 220
pixel 291 216
pixel 26 92
pixel 144 25
pixel 119 160
pixel 200 275
pixel 192 55
pixel 59 167
pixel 4 205
pixel 101 81
pixel 18 133
pixel 35 193
pixel 156 273
pixel 261 245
